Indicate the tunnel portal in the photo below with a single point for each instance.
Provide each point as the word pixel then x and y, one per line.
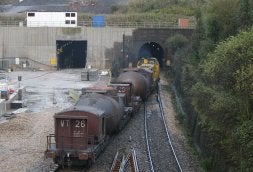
pixel 71 54
pixel 152 49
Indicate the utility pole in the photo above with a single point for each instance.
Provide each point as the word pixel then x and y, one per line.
pixel 123 49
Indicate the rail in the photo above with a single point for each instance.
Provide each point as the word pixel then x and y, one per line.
pixel 166 128
pixel 115 162
pixel 122 165
pixel 84 23
pixel 136 167
pixel 155 164
pixel 147 140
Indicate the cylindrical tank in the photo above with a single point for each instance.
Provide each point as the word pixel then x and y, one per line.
pixel 148 74
pixel 113 111
pixel 139 82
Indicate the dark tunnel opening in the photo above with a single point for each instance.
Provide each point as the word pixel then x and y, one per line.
pixel 71 54
pixel 152 49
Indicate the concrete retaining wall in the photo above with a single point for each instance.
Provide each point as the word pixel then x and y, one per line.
pixel 39 44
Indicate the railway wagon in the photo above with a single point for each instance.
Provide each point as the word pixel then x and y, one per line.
pixel 82 131
pixel 140 78
pixel 150 64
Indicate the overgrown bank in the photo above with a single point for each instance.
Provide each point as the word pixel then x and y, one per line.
pixel 213 78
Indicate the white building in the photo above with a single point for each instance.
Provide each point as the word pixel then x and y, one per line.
pixel 51 19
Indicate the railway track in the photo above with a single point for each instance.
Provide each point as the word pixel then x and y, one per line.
pixel 52 167
pixel 161 154
pixel 70 169
pixel 125 164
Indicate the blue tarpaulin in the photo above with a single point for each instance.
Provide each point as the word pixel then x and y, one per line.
pixel 98 21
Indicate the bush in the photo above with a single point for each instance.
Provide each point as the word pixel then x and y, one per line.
pixel 224 98
pixel 176 42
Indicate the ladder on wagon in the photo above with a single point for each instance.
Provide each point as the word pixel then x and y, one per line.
pixel 125 164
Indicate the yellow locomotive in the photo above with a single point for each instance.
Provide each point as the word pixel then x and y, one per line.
pixel 152 64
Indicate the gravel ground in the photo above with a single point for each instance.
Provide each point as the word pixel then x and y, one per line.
pixel 187 160
pixel 45 87
pixel 162 156
pixel 135 130
pixel 23 139
pixel 132 136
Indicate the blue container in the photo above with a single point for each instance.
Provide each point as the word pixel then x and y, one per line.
pixel 98 21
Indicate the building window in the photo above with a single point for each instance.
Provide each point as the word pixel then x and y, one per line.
pixel 73 22
pixel 67 14
pixel 67 21
pixel 31 14
pixel 73 14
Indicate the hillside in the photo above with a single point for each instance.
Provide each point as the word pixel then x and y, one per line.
pixel 84 6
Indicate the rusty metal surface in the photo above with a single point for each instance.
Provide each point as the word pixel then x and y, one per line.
pixel 124 88
pixel 139 81
pixel 74 126
pixel 71 133
pixel 112 110
pixel 101 103
pixel 81 127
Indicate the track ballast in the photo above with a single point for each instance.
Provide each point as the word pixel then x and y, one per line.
pixel 162 156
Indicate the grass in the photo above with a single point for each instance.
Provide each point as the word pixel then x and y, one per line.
pixel 170 13
pixel 135 18
pixel 11 20
pixel 134 13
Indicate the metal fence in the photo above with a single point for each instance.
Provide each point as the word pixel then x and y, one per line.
pixel 122 24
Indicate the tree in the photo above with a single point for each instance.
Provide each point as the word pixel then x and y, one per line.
pixel 199 33
pixel 246 14
pixel 224 97
pixel 225 12
pixel 176 42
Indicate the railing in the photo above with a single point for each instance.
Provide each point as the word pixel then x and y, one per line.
pixel 68 142
pixel 12 23
pixel 123 24
pixel 9 62
pixel 84 23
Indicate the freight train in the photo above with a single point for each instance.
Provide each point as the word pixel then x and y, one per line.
pixel 83 131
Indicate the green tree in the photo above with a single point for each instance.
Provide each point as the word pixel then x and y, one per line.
pixel 224 98
pixel 216 83
pixel 199 33
pixel 177 47
pixel 246 14
pixel 176 42
pixel 225 13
